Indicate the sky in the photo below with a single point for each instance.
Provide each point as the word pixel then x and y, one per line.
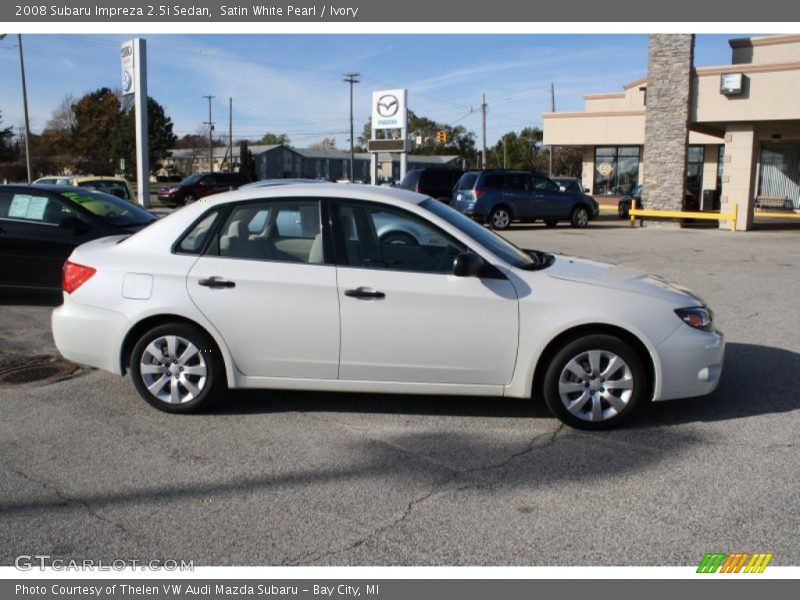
pixel 294 83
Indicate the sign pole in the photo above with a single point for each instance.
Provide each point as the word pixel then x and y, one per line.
pixel 142 139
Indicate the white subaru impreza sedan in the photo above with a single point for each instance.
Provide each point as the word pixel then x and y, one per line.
pixel 363 289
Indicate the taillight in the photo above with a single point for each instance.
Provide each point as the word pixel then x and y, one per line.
pixel 478 193
pixel 75 276
pixel 417 189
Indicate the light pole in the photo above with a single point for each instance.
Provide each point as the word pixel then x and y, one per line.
pixel 351 79
pixel 210 124
pixel 24 105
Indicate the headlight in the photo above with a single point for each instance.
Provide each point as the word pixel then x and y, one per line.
pixel 698 317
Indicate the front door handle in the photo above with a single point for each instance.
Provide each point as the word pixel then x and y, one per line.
pixel 216 282
pixel 366 293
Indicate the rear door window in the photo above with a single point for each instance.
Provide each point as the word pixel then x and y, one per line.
pixel 494 181
pixel 518 182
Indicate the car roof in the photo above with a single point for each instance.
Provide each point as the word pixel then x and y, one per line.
pixel 356 191
pixel 83 178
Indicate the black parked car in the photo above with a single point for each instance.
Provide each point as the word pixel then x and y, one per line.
pixel 436 183
pixel 200 185
pixel 690 202
pixel 40 225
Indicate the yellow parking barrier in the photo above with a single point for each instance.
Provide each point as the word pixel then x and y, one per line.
pixel 683 214
pixel 777 215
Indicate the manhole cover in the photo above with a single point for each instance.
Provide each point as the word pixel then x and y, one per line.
pixel 36 371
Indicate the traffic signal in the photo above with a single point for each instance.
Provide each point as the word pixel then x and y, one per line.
pixel 441 137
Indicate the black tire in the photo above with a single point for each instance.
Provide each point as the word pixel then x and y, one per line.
pixel 622 210
pixel 551 222
pixel 207 357
pixel 189 198
pixel 595 389
pixel 399 237
pixel 579 217
pixel 500 218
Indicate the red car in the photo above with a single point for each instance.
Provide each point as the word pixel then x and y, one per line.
pixel 200 185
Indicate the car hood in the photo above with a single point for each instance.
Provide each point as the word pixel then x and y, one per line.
pixel 621 278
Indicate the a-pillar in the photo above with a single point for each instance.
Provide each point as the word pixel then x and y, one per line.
pixel 739 174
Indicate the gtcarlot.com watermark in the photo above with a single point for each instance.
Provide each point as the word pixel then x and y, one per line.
pixel 29 562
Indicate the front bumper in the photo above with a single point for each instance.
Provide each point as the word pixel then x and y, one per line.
pixel 89 335
pixel 691 363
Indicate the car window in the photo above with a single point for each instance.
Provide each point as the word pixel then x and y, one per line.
pixel 110 209
pixel 494 181
pixel 194 239
pixel 210 180
pixel 518 182
pixel 115 188
pixel 380 237
pixel 543 184
pixel 467 181
pixel 278 230
pixel 34 208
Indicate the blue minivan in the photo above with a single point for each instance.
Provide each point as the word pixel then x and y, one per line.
pixel 499 197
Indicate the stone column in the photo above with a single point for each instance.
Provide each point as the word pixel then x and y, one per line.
pixel 669 90
pixel 739 174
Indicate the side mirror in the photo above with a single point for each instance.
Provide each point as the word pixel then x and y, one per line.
pixel 468 264
pixel 585 190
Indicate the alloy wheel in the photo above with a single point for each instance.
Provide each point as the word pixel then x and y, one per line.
pixel 173 369
pixel 596 385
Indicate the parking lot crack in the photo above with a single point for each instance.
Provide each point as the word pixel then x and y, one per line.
pixel 377 531
pixel 65 498
pixel 538 442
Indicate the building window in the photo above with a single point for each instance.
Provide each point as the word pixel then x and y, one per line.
pixel 780 172
pixel 694 170
pixel 616 169
pixel 720 166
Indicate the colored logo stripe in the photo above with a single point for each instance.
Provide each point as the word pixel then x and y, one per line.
pixel 733 563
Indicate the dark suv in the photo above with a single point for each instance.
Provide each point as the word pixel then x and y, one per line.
pixel 436 183
pixel 499 197
pixel 199 185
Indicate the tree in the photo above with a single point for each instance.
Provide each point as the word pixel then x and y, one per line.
pixel 247 163
pixel 160 137
pixel 273 139
pixel 97 116
pixel 7 151
pixel 325 144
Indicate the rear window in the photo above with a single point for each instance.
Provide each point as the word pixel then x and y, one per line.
pixel 437 179
pixel 110 209
pixel 467 181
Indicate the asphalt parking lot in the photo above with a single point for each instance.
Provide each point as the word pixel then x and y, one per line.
pixel 88 470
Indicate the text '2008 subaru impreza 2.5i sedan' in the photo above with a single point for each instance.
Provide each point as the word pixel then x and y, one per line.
pixel 362 289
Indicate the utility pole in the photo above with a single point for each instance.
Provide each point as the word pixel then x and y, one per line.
pixel 504 152
pixel 25 107
pixel 351 79
pixel 483 111
pixel 210 124
pixel 230 135
pixel 552 109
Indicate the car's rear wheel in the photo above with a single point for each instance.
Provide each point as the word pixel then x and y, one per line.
pixel 177 368
pixel 399 237
pixel 594 382
pixel 500 218
pixel 551 222
pixel 579 217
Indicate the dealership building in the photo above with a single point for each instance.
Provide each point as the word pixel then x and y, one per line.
pixel 722 135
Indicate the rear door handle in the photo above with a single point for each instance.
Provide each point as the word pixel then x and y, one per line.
pixel 366 293
pixel 216 282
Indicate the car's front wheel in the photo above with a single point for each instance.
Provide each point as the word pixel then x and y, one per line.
pixel 500 218
pixel 189 198
pixel 594 382
pixel 177 368
pixel 580 217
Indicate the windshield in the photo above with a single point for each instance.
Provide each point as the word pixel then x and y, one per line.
pixel 191 179
pixel 488 239
pixel 114 211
